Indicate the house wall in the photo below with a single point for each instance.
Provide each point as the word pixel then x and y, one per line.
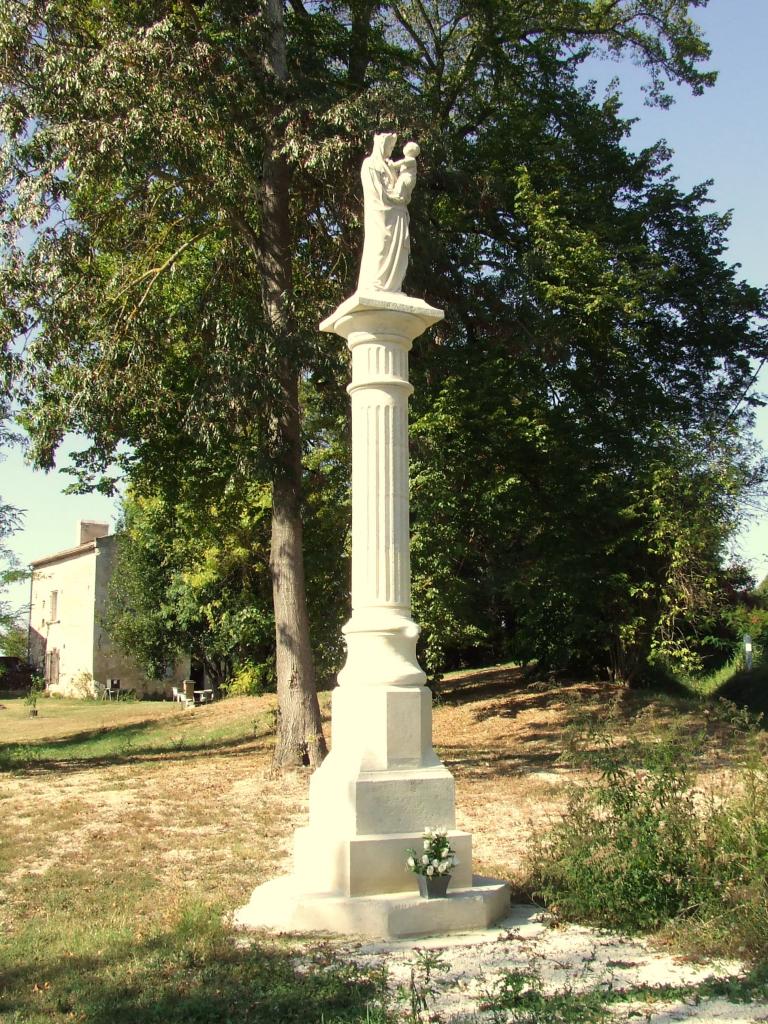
pixel 67 630
pixel 73 634
pixel 109 662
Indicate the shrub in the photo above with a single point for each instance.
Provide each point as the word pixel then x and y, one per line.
pixel 251 680
pixel 83 686
pixel 642 848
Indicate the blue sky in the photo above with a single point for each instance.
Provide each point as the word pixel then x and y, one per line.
pixel 721 135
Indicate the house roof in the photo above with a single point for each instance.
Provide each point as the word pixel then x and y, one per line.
pixel 61 556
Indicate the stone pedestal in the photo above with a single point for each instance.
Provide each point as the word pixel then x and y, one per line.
pixel 382 783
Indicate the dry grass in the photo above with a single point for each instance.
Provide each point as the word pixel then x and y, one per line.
pixel 115 819
pixel 186 797
pixel 507 741
pixel 188 794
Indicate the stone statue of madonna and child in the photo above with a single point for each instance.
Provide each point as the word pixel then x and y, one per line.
pixel 387 188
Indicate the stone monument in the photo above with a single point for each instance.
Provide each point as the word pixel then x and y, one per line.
pixel 382 783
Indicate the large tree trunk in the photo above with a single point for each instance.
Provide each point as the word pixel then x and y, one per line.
pixel 359 55
pixel 299 729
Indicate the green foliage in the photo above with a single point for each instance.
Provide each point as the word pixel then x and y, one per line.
pixel 194 579
pixel 625 859
pixel 518 997
pixel 14 640
pixel 36 688
pixel 642 848
pixel 13 633
pixel 579 420
pixel 250 681
pixel 422 988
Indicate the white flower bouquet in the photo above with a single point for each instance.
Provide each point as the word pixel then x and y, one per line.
pixel 436 857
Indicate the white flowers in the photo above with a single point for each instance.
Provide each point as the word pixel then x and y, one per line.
pixel 438 857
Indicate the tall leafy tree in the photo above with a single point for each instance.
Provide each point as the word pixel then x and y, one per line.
pixel 11 626
pixel 187 168
pixel 193 578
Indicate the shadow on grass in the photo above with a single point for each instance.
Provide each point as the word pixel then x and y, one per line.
pixel 480 685
pixel 747 689
pixel 473 764
pixel 120 744
pixel 196 973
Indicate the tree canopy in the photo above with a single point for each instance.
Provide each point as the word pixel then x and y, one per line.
pixel 579 421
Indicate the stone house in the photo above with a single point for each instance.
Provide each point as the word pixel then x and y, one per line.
pixel 67 642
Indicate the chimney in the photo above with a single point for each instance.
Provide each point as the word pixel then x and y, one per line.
pixel 89 529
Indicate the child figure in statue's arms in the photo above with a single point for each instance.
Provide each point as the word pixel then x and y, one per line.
pixel 406 170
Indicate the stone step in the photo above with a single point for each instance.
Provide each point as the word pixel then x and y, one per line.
pixel 278 906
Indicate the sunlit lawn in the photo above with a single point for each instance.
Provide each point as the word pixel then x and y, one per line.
pixel 128 831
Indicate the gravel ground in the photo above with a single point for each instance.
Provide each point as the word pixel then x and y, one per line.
pixel 564 958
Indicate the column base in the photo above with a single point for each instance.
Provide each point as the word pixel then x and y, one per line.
pixel 279 906
pixel 347 802
pixel 381 650
pixel 367 865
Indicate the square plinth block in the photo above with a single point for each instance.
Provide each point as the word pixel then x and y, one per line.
pixel 380 728
pixel 346 801
pixel 368 865
pixel 278 906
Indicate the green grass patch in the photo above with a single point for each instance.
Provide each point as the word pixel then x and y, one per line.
pixel 188 969
pixel 734 683
pixel 168 732
pixel 748 689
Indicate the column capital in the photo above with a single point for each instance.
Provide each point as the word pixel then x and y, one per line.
pixel 382 313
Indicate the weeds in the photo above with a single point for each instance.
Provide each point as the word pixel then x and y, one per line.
pixel 644 849
pixel 518 997
pixel 421 988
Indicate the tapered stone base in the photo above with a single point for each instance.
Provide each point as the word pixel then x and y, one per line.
pixel 277 905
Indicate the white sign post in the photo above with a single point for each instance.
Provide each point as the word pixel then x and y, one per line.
pixel 748 652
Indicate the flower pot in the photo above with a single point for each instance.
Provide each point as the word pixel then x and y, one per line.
pixel 433 887
pixel 33 712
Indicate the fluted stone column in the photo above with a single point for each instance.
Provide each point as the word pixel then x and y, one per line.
pixel 380 333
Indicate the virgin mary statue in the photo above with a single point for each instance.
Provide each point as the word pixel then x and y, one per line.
pixel 387 242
